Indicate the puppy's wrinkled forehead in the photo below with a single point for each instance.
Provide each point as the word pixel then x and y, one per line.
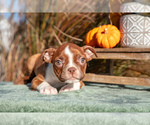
pixel 68 50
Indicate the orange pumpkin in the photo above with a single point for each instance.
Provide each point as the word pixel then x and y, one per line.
pixel 108 36
pixel 91 37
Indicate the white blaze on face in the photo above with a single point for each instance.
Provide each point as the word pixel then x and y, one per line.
pixel 70 55
pixel 71 64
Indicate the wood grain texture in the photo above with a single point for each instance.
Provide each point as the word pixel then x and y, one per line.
pixel 123 50
pixel 117 80
pixel 131 56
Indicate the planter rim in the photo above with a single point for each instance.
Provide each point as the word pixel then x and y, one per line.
pixel 135 15
pixel 130 7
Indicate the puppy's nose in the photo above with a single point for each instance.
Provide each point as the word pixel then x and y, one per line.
pixel 72 70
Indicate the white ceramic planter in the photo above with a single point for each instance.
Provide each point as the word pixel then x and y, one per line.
pixel 135 30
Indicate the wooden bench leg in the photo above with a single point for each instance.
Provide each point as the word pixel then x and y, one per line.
pixel 109 66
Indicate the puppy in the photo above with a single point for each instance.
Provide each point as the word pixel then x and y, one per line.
pixel 61 68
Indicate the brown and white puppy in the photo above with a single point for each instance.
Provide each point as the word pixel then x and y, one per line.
pixel 62 68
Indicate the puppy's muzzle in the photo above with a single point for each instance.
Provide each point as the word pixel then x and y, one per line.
pixel 72 70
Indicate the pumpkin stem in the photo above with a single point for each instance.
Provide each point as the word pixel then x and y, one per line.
pixel 105 31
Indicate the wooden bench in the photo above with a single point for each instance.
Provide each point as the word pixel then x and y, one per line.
pixel 120 53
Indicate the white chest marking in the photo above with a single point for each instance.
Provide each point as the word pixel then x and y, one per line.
pixel 50 75
pixel 51 78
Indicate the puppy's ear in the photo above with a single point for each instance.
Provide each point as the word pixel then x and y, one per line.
pixel 89 52
pixel 48 55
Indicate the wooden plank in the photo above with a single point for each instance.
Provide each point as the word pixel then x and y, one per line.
pixel 117 80
pixel 123 50
pixel 131 56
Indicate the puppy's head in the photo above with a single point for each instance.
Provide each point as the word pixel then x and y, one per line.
pixel 69 61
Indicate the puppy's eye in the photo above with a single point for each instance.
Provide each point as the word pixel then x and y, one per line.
pixel 82 60
pixel 58 63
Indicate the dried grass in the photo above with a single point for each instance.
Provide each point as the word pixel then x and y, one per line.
pixel 42 30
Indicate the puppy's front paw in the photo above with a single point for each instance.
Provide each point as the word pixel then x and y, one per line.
pixel 65 89
pixel 70 87
pixel 49 91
